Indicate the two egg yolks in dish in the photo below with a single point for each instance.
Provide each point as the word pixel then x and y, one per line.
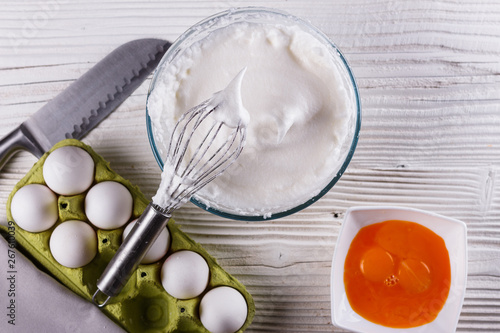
pixel 397 274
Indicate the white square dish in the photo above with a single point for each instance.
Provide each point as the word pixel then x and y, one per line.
pixel 453 232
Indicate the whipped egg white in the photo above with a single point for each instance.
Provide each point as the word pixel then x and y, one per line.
pixel 300 111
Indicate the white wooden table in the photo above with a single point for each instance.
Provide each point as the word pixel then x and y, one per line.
pixel 429 78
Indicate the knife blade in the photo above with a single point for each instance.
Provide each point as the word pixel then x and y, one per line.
pixel 88 100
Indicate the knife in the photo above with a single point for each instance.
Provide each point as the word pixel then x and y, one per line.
pixel 87 101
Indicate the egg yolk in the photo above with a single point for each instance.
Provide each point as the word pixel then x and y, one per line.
pixel 397 274
pixel 377 264
pixel 414 275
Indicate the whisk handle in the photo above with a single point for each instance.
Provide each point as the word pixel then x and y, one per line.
pixel 135 246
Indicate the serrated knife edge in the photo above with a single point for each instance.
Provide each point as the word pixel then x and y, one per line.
pixel 81 130
pixel 88 96
pixel 88 100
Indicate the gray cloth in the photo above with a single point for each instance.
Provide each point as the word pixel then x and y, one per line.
pixel 36 302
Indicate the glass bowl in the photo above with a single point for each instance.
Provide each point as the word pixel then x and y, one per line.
pixel 256 14
pixel 454 234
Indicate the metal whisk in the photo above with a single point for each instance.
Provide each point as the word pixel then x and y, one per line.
pixel 183 175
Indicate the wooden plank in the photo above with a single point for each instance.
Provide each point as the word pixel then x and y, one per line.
pixel 428 74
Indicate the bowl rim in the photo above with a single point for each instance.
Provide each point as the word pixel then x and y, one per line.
pixel 460 285
pixel 357 100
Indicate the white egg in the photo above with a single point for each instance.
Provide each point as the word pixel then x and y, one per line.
pixel 69 170
pixel 159 247
pixel 185 274
pixel 223 310
pixel 73 244
pixel 34 208
pixel 108 205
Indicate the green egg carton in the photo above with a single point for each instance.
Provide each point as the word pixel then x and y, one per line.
pixel 143 305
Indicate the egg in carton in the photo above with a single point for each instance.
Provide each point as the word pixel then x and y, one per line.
pixel 63 229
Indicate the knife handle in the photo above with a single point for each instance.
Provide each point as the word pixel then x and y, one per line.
pixel 19 139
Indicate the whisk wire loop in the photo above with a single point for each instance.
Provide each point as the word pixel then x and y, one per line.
pixel 198 113
pixel 207 161
pixel 201 150
pixel 224 162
